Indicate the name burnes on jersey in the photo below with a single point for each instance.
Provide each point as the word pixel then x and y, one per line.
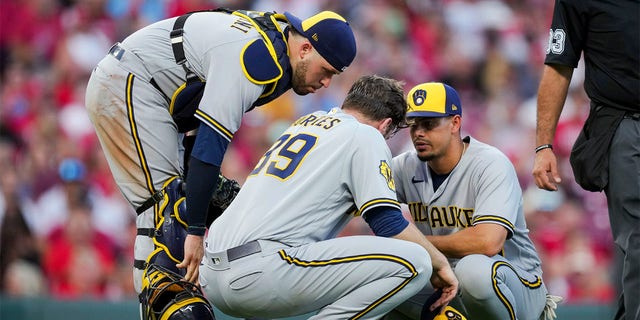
pixel 325 122
pixel 441 217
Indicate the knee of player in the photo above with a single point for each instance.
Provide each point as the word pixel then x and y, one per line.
pixel 475 277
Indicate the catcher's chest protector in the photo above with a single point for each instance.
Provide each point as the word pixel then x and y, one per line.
pixel 265 63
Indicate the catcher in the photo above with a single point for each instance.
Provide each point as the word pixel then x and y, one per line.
pixel 167 100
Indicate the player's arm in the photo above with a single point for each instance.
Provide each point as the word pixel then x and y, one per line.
pixel 387 221
pixel 202 180
pixel 552 94
pixel 484 238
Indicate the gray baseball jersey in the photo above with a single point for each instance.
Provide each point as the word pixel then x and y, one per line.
pixel 482 188
pixel 325 169
pixel 213 43
pixel 138 136
pixel 328 191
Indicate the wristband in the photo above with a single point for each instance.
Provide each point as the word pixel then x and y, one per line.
pixel 196 230
pixel 544 146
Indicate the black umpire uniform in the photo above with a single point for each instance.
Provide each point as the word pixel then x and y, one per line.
pixel 608 33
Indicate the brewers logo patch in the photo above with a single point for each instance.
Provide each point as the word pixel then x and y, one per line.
pixel 385 171
pixel 419 97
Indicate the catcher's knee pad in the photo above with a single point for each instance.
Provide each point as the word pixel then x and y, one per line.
pixel 170 229
pixel 165 296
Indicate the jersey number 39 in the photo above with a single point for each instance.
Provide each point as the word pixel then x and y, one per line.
pixel 291 152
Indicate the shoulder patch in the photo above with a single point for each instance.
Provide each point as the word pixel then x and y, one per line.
pixel 260 66
pixel 385 171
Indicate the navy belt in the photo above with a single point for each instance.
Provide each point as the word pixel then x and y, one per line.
pixel 244 250
pixel 117 51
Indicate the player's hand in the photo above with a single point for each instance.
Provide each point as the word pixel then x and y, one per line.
pixel 445 280
pixel 193 253
pixel 545 170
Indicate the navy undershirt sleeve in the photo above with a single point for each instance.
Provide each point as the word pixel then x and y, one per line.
pixel 385 221
pixel 201 183
pixel 210 146
pixel 202 177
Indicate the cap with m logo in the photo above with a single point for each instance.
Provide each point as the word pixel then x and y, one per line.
pixel 433 99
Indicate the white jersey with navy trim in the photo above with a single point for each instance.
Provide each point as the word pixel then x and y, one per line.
pixel 482 188
pixel 354 157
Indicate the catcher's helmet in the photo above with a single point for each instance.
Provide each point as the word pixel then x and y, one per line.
pixel 446 313
pixel 165 296
pixel 449 313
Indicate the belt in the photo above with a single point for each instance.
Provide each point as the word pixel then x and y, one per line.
pixel 117 51
pixel 244 250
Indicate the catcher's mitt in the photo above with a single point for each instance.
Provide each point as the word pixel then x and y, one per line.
pixel 225 193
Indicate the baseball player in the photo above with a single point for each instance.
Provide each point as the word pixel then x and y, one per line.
pixel 198 73
pixel 464 195
pixel 274 253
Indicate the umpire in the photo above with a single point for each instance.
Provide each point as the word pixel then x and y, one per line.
pixel 198 73
pixel 606 155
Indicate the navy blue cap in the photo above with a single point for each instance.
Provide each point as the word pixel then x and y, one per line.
pixel 330 34
pixel 433 99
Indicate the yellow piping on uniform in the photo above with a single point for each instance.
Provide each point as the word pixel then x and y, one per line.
pixel 532 285
pixel 366 206
pixel 317 263
pixel 494 218
pixel 175 94
pixel 206 118
pixel 134 133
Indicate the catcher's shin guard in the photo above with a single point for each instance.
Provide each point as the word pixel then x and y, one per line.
pixel 171 229
pixel 165 296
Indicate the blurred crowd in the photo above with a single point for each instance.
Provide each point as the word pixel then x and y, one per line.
pixel 65 230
